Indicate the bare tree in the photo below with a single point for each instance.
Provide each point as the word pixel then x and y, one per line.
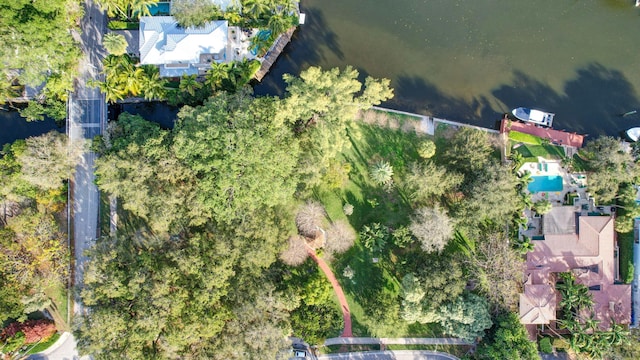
pixel 432 227
pixel 49 159
pixel 296 253
pixel 310 219
pixel 340 237
pixel 500 270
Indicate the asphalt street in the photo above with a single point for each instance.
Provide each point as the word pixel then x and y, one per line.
pixel 390 355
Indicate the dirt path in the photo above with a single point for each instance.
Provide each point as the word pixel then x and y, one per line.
pixel 346 314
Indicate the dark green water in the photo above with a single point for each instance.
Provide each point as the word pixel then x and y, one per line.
pixel 474 60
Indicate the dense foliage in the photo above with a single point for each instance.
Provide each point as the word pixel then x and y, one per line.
pixel 208 208
pixel 33 252
pixel 38 49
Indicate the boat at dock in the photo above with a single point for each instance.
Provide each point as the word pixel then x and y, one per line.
pixel 534 116
pixel 633 134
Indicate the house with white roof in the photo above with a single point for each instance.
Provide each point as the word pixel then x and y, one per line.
pixel 181 51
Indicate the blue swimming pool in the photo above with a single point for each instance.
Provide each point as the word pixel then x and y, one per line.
pixel 545 183
pixel 159 9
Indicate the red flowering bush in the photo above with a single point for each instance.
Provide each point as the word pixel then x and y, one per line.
pixel 33 330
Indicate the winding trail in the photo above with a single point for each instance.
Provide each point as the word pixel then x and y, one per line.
pixel 346 313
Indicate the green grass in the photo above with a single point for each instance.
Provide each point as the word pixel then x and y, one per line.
pixel 625 242
pixel 532 152
pixel 525 138
pixel 123 25
pixel 375 290
pixel 44 345
pixel 58 293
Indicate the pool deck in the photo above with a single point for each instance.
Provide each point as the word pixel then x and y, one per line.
pixel 571 182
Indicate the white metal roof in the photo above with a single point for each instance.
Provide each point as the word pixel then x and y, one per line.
pixel 162 41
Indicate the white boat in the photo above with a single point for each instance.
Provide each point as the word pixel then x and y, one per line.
pixel 633 134
pixel 537 117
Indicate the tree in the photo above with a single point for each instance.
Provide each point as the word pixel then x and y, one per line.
pixel 574 296
pixel 236 151
pixel 148 179
pixel 438 283
pixel 310 219
pixel 189 84
pixel 115 44
pixel 155 297
pixel 493 196
pixel 340 237
pixel 466 317
pixel 49 160
pixel 255 8
pixel 427 181
pixel 507 339
pixel 610 166
pixel 115 8
pixel 542 206
pixel 29 56
pixel 494 261
pixel 296 253
pixel 194 13
pixel 432 227
pixel 468 151
pixel 320 105
pixel 426 149
pixel 153 85
pixel 381 173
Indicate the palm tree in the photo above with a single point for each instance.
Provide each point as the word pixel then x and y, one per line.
pixel 153 86
pixel 115 44
pixel 215 75
pixel 139 8
pixel 278 24
pixel 255 8
pixel 616 335
pixel 260 44
pixel 382 173
pixel 133 81
pixel 115 8
pixel 113 91
pixel 189 84
pixel 574 296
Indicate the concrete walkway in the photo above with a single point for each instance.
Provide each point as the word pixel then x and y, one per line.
pixel 390 355
pixel 395 341
pixel 346 314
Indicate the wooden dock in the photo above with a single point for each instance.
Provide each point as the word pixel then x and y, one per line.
pixel 273 53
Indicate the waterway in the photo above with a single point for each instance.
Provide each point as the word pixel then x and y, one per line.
pixel 472 61
pixel 13 127
pixel 467 61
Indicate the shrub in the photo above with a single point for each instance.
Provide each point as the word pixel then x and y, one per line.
pixel 382 173
pixel 296 253
pixel 310 218
pixel 432 227
pixel 348 209
pixel 340 237
pixel 122 25
pixel 542 206
pixel 374 237
pixel 427 149
pixel 545 345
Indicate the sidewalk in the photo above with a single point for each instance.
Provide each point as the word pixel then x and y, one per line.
pixel 395 341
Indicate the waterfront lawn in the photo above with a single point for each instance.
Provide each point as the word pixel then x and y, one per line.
pixel 374 291
pixel 531 152
pixel 525 138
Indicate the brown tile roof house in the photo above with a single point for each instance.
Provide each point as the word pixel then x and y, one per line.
pixel 587 251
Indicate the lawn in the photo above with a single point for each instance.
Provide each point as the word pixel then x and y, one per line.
pixel 374 291
pixel 625 242
pixel 517 136
pixel 531 152
pixel 58 293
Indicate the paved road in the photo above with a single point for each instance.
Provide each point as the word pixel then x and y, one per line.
pixel 390 355
pixel 63 349
pixel 87 118
pixel 635 285
pixel 395 341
